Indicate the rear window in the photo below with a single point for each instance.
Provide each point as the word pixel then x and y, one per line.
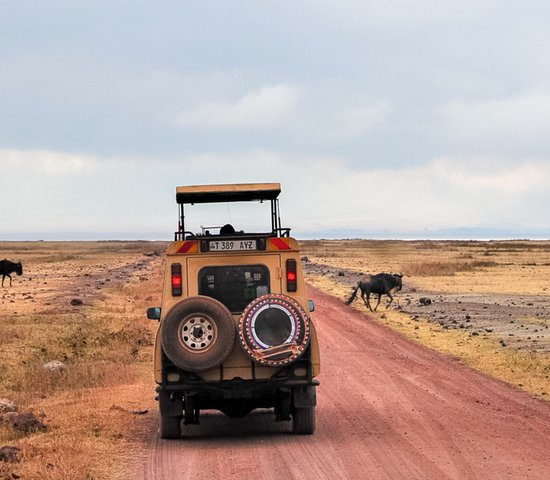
pixel 234 286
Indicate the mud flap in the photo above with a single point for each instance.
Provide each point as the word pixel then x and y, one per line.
pixel 191 413
pixel 303 397
pixel 282 404
pixel 170 404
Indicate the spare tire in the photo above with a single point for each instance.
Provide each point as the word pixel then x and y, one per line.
pixel 274 330
pixel 198 333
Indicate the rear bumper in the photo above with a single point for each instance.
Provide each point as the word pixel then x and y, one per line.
pixel 236 394
pixel 236 388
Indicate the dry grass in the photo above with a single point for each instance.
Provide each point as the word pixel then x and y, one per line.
pixel 521 267
pixel 442 269
pixel 451 267
pixel 106 345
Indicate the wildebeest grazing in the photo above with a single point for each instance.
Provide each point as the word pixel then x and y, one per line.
pixel 7 267
pixel 380 284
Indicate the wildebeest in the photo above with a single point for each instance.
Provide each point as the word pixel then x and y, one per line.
pixel 7 267
pixel 380 284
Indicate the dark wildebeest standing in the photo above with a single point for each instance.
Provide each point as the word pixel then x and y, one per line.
pixel 381 284
pixel 7 267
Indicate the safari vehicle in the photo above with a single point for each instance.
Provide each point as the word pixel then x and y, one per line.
pixel 235 330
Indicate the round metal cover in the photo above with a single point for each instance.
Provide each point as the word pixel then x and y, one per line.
pixel 274 330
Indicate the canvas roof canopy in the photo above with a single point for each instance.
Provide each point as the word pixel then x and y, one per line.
pixel 236 192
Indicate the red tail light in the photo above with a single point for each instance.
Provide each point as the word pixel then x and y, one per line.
pixel 291 276
pixel 176 279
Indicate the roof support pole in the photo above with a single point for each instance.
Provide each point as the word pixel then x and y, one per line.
pixel 182 223
pixel 274 216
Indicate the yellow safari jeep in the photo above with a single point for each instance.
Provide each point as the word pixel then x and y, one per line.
pixel 235 328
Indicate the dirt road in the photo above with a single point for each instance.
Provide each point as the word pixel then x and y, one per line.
pixel 387 409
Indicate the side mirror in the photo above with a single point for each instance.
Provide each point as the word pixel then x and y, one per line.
pixel 153 313
pixel 311 305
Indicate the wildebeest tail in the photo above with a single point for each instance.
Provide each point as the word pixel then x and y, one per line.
pixel 353 294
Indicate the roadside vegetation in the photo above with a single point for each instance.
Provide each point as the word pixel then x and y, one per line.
pixel 80 308
pixel 491 272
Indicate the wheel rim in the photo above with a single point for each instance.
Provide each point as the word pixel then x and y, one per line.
pixel 197 333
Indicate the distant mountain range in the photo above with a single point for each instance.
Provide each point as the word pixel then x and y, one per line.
pixel 466 233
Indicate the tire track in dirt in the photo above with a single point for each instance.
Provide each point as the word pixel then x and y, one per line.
pixel 387 409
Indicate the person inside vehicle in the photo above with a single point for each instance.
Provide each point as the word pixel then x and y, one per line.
pixel 227 229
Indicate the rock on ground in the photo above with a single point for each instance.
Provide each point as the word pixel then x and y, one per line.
pixel 7 406
pixel 9 454
pixel 55 366
pixel 24 422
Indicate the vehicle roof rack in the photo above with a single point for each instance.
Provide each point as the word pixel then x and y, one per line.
pixel 239 192
pixel 234 192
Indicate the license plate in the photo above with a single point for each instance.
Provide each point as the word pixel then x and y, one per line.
pixel 231 245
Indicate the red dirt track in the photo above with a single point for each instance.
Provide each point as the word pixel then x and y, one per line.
pixel 387 409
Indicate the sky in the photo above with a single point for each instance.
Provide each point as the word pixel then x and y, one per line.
pixel 380 118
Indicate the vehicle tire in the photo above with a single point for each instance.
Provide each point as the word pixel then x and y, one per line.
pixel 198 334
pixel 274 330
pixel 303 420
pixel 170 427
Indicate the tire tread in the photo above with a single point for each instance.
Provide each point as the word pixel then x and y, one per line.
pixel 303 420
pixel 170 427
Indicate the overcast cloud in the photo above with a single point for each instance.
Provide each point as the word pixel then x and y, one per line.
pixel 380 116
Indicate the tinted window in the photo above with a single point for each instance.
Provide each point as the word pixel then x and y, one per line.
pixel 234 286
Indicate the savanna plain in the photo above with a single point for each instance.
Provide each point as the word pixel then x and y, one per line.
pixel 82 305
